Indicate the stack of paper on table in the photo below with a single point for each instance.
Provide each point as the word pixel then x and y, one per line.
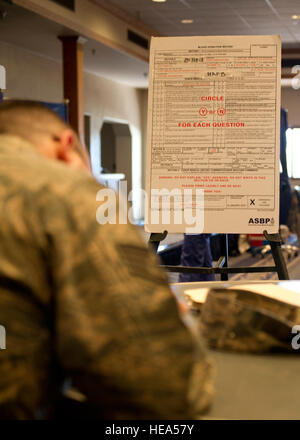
pixel 287 292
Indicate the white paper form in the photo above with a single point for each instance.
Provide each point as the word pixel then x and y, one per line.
pixel 214 125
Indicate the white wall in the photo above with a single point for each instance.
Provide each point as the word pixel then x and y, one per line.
pixel 123 158
pixel 110 101
pixel 30 76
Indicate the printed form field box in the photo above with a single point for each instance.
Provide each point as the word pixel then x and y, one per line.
pixel 263 50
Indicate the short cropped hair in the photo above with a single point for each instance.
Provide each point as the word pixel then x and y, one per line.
pixel 30 120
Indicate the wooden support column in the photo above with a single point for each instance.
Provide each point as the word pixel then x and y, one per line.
pixel 73 81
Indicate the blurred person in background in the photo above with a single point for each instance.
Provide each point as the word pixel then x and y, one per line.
pixel 196 253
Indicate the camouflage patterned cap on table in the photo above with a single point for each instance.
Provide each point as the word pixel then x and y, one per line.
pixel 242 321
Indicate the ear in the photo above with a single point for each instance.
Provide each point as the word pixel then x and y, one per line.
pixel 65 145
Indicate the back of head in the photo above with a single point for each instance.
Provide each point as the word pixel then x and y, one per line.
pixel 35 123
pixel 29 120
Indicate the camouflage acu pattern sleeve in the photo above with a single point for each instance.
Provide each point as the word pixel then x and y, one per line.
pixel 26 387
pixel 85 301
pixel 118 332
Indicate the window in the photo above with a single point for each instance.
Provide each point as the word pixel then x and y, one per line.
pixel 293 152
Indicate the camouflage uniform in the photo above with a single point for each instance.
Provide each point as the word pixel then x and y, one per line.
pixel 238 320
pixel 84 301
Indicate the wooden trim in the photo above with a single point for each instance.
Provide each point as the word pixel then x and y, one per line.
pixel 73 82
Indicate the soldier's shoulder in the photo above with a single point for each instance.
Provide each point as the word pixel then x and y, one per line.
pixel 60 178
pixel 25 174
pixel 34 173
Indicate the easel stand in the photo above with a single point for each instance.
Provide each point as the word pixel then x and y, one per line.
pixel 222 267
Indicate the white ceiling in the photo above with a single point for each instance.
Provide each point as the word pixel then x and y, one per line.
pixel 218 17
pixel 211 17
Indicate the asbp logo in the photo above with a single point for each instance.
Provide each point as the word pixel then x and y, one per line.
pixel 261 221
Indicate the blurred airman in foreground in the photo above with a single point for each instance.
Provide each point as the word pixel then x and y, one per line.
pixel 82 304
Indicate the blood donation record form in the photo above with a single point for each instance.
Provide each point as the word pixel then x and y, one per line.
pixel 213 131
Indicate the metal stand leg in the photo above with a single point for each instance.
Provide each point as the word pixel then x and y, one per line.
pixel 224 252
pixel 275 242
pixel 156 238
